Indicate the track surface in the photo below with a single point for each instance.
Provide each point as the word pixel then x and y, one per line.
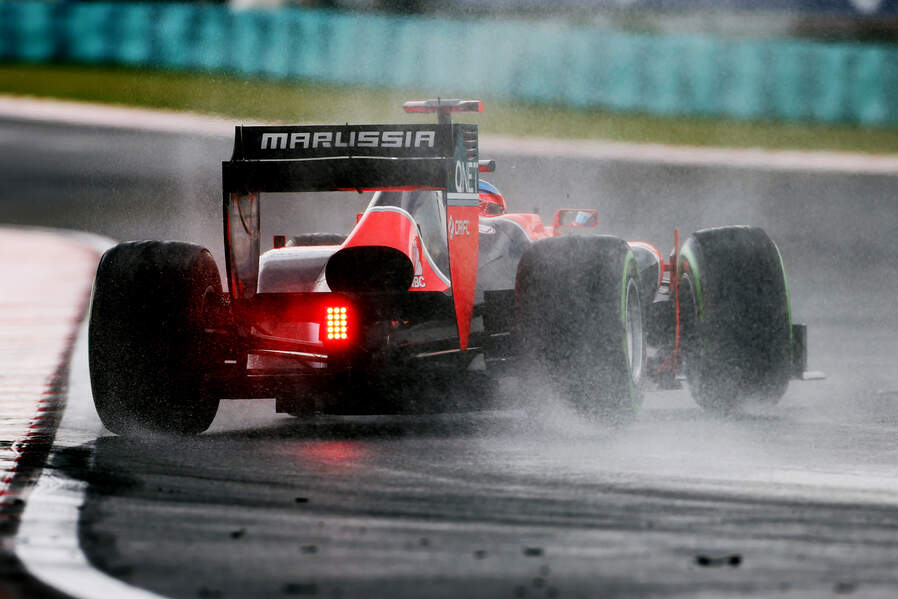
pixel 802 499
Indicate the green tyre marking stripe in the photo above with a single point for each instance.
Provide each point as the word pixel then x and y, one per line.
pixel 623 289
pixel 628 260
pixel 788 300
pixel 688 255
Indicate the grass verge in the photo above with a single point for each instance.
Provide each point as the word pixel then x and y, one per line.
pixel 308 102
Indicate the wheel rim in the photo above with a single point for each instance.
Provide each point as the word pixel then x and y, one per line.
pixel 633 327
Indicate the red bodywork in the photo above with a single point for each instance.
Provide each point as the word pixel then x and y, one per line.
pixel 394 228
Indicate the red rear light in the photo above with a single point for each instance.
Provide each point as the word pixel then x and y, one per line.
pixel 336 325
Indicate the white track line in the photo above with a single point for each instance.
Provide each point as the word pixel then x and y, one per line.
pixel 102 115
pixel 47 542
pixel 108 115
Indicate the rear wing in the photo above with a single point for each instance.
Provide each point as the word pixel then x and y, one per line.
pixel 442 156
pixel 331 158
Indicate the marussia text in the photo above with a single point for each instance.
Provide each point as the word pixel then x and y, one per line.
pixel 352 139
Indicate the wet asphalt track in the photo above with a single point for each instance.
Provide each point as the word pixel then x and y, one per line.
pixel 801 499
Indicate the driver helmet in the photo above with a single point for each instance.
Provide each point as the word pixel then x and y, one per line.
pixel 491 201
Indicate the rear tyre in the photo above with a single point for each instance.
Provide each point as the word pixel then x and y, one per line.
pixel 146 351
pixel 735 316
pixel 580 317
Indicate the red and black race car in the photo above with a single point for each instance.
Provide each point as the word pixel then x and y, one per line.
pixel 436 286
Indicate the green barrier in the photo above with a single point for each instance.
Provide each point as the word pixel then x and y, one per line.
pixel 133 46
pixel 555 63
pixel 34 21
pixel 211 40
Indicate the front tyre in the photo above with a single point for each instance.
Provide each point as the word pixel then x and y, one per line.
pixel 580 316
pixel 146 337
pixel 735 317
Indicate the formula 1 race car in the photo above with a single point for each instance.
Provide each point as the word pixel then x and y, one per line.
pixel 436 286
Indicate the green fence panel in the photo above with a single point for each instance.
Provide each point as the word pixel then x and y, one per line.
pixel 317 37
pixel 173 36
pixel 577 71
pixel 867 97
pixel 662 75
pixel 697 82
pixel 743 95
pixel 341 51
pixel 248 43
pixel 86 33
pixel 621 59
pixel 133 35
pixel 598 80
pixel 402 64
pixel 274 42
pixel 437 48
pixel 890 84
pixel 458 65
pixel 498 58
pixel 480 51
pixel 831 95
pixel 374 46
pixel 211 39
pixel 35 24
pixel 789 92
